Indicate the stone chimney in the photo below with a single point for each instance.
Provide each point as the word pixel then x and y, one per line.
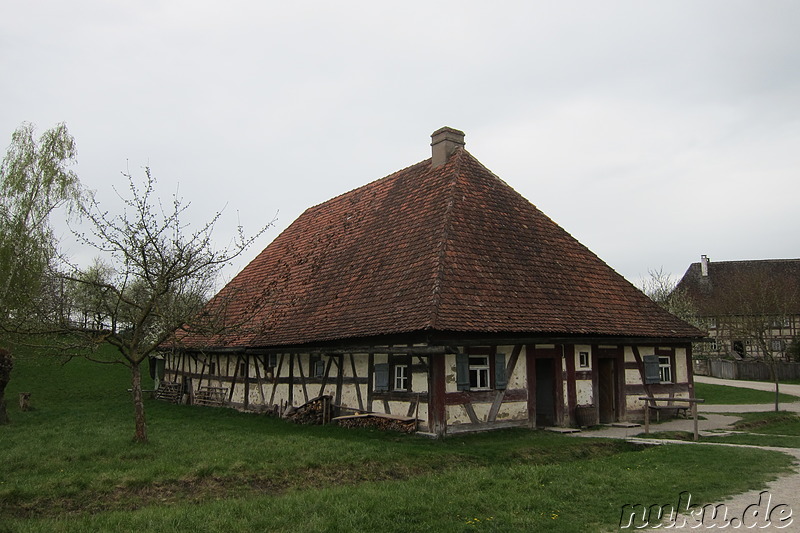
pixel 704 266
pixel 444 142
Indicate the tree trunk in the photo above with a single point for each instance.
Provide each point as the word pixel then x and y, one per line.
pixel 3 413
pixel 6 363
pixel 774 374
pixel 138 404
pixel 777 393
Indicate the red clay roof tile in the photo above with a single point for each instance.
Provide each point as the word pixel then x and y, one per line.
pixel 452 248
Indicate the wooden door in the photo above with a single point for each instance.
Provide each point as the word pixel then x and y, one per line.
pixel 545 392
pixel 607 393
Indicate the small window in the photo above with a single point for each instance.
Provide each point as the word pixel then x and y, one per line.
pixel 401 377
pixel 479 372
pixel 712 323
pixel 714 346
pixel 316 366
pixel 776 345
pixel 242 369
pixel 583 358
pixel 664 369
pixel 272 360
pixel 212 368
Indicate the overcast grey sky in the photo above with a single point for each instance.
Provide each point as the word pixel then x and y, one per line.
pixel 652 131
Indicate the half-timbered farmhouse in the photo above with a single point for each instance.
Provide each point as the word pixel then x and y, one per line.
pixel 437 293
pixel 751 308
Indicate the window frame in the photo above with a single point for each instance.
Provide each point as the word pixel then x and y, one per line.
pixel 665 370
pixel 478 370
pixel 397 378
pixel 496 379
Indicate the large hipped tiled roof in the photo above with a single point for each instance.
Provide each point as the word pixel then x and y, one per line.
pixel 451 248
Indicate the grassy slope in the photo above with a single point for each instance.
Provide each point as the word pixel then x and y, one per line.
pixel 70 465
pixel 780 429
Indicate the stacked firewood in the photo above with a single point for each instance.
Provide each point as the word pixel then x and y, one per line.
pixel 403 425
pixel 314 412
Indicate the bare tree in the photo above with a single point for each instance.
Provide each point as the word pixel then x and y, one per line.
pixel 661 288
pixel 154 280
pixel 754 312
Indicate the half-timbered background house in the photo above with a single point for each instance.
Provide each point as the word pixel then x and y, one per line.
pixel 438 293
pixel 751 308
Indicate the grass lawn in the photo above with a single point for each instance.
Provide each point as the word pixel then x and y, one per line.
pixel 70 465
pixel 724 395
pixel 780 429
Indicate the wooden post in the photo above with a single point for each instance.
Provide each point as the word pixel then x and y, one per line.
pixel 437 409
pixel 24 401
pixel 694 415
pixel 646 418
pixel 416 415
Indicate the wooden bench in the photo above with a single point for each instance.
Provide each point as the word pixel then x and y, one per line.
pixel 678 409
pixel 652 403
pixel 214 396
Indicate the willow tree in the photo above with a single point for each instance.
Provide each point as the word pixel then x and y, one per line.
pixel 155 278
pixel 35 181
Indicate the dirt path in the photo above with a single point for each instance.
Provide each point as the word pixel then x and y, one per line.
pixel 785 388
pixel 776 507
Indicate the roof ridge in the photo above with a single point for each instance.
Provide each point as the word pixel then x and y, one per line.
pixel 750 261
pixel 369 184
pixel 456 162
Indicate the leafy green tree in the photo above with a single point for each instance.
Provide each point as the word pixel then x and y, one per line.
pixel 35 181
pixel 153 279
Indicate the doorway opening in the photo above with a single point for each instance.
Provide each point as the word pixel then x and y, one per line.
pixel 607 390
pixel 545 392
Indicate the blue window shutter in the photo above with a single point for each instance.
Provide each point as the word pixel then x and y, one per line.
pixel 382 377
pixel 500 378
pixel 651 370
pixel 462 371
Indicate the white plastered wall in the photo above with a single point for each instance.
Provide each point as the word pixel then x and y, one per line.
pixel 584 389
